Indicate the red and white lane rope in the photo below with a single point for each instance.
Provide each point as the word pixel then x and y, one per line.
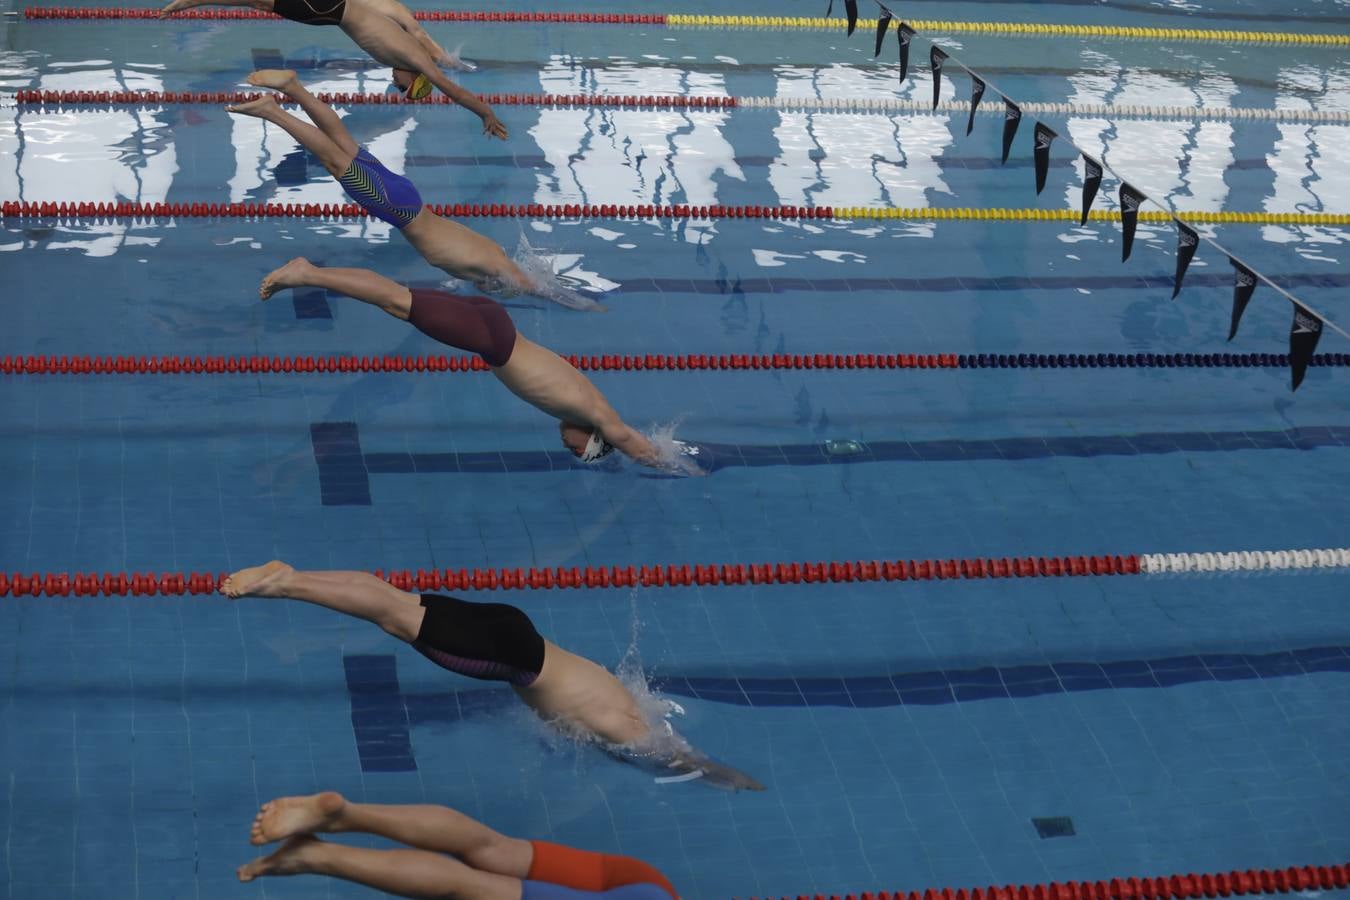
pixel 882 105
pixel 86 584
pixel 1171 887
pixel 650 362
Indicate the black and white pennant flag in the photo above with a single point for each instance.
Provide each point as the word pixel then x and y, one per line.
pixel 1044 138
pixel 1303 337
pixel 1012 117
pixel 936 57
pixel 1092 179
pixel 851 10
pixel 1187 243
pixel 1244 285
pixel 976 94
pixel 1130 201
pixel 906 35
pixel 829 10
pixel 883 23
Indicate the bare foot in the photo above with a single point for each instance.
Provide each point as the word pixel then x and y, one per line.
pixel 288 276
pixel 177 6
pixel 260 107
pixel 258 581
pixel 295 857
pixel 288 816
pixel 276 79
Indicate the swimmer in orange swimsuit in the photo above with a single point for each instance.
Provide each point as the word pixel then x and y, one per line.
pixel 388 32
pixel 456 856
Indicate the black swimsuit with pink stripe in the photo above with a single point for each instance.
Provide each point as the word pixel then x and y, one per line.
pixel 491 641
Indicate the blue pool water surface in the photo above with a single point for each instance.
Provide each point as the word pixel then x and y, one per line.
pixel 910 734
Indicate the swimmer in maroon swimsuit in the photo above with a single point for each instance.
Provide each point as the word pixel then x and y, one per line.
pixel 456 856
pixel 388 32
pixel 498 642
pixel 590 427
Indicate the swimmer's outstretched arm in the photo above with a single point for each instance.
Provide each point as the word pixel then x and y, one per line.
pixel 180 5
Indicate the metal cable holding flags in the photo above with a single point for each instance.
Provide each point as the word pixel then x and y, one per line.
pixel 1306 328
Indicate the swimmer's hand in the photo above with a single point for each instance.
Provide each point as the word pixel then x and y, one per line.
pixel 177 6
pixel 493 126
pixel 714 774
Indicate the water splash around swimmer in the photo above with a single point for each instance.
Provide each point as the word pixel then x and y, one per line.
pixel 541 280
pixel 676 456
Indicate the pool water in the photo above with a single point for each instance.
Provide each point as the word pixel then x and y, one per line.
pixel 911 734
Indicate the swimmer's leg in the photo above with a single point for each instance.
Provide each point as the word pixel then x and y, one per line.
pixel 436 828
pixel 334 158
pixel 320 113
pixel 180 5
pixel 361 284
pixel 405 873
pixel 355 594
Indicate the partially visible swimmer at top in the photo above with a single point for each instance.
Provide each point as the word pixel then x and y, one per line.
pixel 454 248
pixel 589 426
pixel 388 32
pixel 498 642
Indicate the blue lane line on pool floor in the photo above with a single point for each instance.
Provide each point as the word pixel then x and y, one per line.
pixel 379 719
pixel 345 469
pixel 932 688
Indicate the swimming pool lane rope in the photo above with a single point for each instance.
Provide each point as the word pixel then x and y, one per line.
pixel 75 211
pixel 882 105
pixel 793 23
pixel 107 584
pixel 691 362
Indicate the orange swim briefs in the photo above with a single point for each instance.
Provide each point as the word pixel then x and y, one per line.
pixel 583 870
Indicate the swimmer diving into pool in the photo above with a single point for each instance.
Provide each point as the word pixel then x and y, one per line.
pixel 455 856
pixel 590 427
pixel 454 248
pixel 497 642
pixel 388 32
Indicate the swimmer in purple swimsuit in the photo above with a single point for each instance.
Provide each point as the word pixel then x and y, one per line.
pixel 497 642
pixel 589 425
pixel 456 856
pixel 388 32
pixel 454 248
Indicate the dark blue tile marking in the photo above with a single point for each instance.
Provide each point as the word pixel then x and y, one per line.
pixel 344 471
pixel 343 480
pixel 378 714
pixel 293 169
pixel 1054 826
pixel 268 58
pixel 311 304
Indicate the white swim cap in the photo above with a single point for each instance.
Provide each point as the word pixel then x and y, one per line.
pixel 597 448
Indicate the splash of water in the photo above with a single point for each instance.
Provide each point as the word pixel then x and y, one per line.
pixel 542 281
pixel 675 456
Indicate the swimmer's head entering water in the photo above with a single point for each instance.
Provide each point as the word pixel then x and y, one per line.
pixel 414 85
pixel 586 444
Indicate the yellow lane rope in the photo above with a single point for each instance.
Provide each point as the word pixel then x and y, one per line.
pixel 1025 28
pixel 930 214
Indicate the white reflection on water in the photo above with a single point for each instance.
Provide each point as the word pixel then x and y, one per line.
pixel 90 155
pixel 616 156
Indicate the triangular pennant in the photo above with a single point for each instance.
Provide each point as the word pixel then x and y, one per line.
pixel 1092 179
pixel 851 10
pixel 1187 243
pixel 1012 117
pixel 1244 285
pixel 936 57
pixel 883 23
pixel 1303 337
pixel 976 93
pixel 1130 200
pixel 1044 138
pixel 829 10
pixel 906 35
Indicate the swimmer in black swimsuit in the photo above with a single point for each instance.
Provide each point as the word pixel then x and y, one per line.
pixel 497 642
pixel 388 32
pixel 589 425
